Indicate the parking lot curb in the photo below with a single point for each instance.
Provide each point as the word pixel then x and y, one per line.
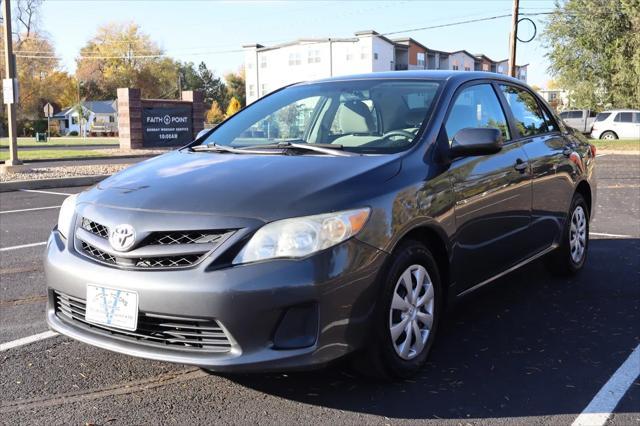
pixel 101 157
pixel 51 183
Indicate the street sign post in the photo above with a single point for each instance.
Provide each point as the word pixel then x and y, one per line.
pixel 48 112
pixel 10 88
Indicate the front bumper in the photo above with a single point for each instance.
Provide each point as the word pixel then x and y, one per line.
pixel 251 302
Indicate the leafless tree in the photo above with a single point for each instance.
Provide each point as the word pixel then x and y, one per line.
pixel 26 16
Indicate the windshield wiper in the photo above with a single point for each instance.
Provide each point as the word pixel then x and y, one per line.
pixel 222 148
pixel 330 149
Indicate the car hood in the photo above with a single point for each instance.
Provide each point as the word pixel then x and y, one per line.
pixel 264 187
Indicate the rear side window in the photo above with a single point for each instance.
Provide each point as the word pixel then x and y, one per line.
pixel 592 114
pixel 602 116
pixel 564 115
pixel 624 117
pixel 526 112
pixel 636 117
pixel 575 114
pixel 477 106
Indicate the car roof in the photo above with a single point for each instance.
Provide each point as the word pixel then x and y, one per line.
pixel 621 110
pixel 457 76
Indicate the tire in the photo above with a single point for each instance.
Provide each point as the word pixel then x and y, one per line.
pixel 385 358
pixel 569 258
pixel 608 135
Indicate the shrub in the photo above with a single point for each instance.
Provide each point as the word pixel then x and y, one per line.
pixel 73 133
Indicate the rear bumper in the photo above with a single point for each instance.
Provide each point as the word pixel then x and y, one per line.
pixel 335 288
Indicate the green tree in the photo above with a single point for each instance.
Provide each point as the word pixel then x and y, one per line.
pixel 234 106
pixel 203 79
pixel 594 51
pixel 235 86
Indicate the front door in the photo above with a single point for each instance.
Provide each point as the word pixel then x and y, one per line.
pixel 492 193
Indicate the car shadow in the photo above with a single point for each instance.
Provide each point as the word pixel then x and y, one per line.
pixel 530 344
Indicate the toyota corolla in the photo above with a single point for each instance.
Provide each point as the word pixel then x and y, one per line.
pixel 329 218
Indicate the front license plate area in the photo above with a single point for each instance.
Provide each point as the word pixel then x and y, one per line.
pixel 112 307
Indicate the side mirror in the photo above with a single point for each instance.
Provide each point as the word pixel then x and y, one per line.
pixel 475 141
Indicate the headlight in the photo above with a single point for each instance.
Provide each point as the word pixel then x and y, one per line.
pixel 65 217
pixel 302 236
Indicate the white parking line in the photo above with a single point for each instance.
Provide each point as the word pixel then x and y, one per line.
pixel 23 246
pixel 45 192
pixel 602 405
pixel 27 340
pixel 30 210
pixel 602 234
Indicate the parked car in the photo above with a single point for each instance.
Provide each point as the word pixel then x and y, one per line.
pixel 367 205
pixel 617 124
pixel 579 119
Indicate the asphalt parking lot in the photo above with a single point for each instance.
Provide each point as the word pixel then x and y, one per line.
pixel 530 349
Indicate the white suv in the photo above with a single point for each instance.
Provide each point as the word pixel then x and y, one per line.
pixel 617 124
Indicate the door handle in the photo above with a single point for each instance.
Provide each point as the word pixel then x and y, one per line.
pixel 521 165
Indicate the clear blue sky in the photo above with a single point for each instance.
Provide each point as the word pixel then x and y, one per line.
pixel 207 30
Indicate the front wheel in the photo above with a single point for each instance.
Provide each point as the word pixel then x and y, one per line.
pixel 406 316
pixel 609 136
pixel 570 256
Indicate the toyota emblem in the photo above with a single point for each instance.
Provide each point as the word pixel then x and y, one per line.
pixel 122 237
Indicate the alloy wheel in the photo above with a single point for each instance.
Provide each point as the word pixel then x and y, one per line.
pixel 578 234
pixel 411 312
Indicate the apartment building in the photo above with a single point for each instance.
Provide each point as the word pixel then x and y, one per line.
pixel 268 68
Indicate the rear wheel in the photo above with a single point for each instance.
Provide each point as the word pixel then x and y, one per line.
pixel 570 256
pixel 608 135
pixel 406 316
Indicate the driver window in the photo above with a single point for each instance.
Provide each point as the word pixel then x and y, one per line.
pixel 477 106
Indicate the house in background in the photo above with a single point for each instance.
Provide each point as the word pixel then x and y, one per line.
pixel 484 63
pixel 557 98
pixel 502 67
pixel 101 119
pixel 268 68
pixel 461 60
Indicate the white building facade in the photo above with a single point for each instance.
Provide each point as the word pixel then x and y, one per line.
pixel 268 68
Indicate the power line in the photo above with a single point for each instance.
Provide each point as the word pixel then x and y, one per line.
pixel 215 52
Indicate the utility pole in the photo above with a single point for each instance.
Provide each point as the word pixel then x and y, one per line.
pixel 513 38
pixel 9 61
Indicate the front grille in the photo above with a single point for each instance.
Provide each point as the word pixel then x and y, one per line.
pixel 97 253
pixel 94 228
pixel 168 262
pixel 198 237
pixel 145 263
pixel 173 255
pixel 196 334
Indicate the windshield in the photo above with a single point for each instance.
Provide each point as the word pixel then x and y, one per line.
pixel 367 116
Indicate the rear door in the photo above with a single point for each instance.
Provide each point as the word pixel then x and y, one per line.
pixel 492 192
pixel 548 151
pixel 627 125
